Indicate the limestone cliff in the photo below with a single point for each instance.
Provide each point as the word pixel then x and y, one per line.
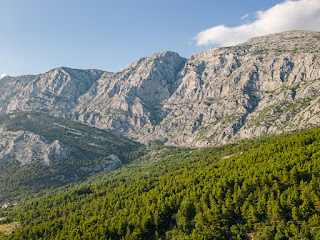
pixel 269 84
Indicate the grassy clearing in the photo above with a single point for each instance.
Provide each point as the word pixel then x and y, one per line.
pixel 8 228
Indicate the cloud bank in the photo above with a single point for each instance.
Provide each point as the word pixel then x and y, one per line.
pixel 3 75
pixel 289 15
pixel 244 16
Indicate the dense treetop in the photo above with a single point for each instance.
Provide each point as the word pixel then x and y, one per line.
pixel 266 188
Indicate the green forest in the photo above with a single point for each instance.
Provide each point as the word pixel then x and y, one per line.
pixel 74 134
pixel 90 146
pixel 267 188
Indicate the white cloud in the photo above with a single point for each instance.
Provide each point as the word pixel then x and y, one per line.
pixel 289 15
pixel 244 16
pixel 3 75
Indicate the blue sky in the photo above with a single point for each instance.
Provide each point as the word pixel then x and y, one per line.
pixel 39 35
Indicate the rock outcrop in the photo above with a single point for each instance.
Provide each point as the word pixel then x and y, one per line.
pixel 131 101
pixel 56 91
pixel 26 148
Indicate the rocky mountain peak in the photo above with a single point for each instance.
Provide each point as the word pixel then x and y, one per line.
pixel 304 41
pixel 161 65
pixel 269 84
pixel 290 37
pixel 68 82
pixel 134 93
pixel 159 57
pixel 54 90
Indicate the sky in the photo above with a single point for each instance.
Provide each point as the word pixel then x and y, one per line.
pixel 37 36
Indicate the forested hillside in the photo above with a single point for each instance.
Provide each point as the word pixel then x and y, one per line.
pixel 24 174
pixel 80 136
pixel 265 189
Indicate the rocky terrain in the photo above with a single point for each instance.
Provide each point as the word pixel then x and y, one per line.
pixel 56 90
pixel 269 84
pixel 27 147
pixel 40 152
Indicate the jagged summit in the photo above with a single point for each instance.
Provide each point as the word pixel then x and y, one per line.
pixel 55 91
pixel 286 41
pixel 157 59
pixel 67 70
pixel 288 36
pixel 269 84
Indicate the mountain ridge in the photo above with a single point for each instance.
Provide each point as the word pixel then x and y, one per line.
pixel 39 152
pixel 268 84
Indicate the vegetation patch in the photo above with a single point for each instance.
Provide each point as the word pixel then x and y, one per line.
pixel 8 228
pixel 267 188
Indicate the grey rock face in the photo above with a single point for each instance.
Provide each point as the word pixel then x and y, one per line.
pixel 131 100
pixel 56 91
pixel 26 147
pixel 269 84
pixel 261 86
pixel 108 164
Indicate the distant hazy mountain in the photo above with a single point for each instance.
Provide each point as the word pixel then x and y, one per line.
pixel 269 84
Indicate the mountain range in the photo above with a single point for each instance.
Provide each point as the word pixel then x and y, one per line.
pixel 167 148
pixel 269 84
pixel 77 123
